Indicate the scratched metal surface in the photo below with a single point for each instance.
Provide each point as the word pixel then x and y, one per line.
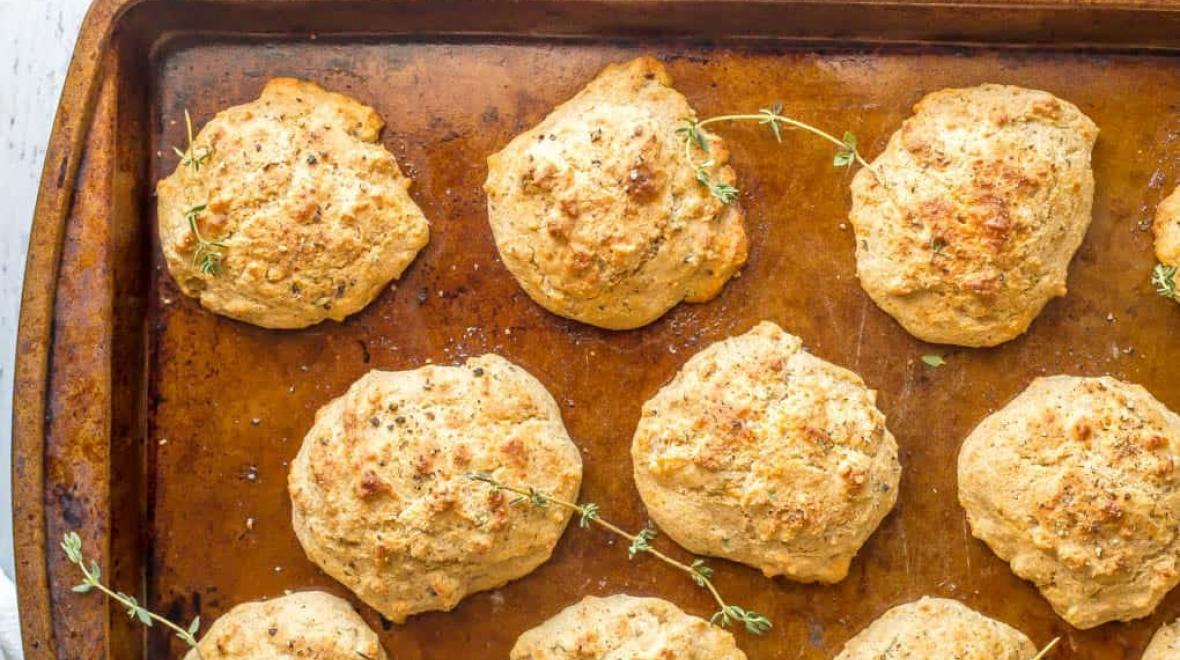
pixel 230 403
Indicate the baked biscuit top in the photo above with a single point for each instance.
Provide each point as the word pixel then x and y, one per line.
pixel 1075 484
pixel 306 215
pixel 937 629
pixel 597 211
pixel 965 225
pixel 625 628
pixel 382 497
pixel 306 625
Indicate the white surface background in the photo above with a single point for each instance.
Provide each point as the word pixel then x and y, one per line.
pixel 36 40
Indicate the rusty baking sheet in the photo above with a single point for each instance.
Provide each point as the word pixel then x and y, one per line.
pixel 159 430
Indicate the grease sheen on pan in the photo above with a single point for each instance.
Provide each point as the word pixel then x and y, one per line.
pixel 307 625
pixel 978 204
pixel 625 628
pixel 762 453
pixel 312 211
pixel 597 212
pixel 1075 484
pixel 380 493
pixel 937 629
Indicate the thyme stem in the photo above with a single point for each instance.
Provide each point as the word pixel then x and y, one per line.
pixel 1045 651
pixel 693 134
pixel 190 157
pixel 207 256
pixel 776 116
pixel 92 579
pixel 117 597
pixel 641 542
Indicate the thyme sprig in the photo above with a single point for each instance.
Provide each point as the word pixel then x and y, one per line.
pixel 71 543
pixel 1045 651
pixel 588 513
pixel 208 256
pixel 1163 278
pixel 692 134
pixel 195 155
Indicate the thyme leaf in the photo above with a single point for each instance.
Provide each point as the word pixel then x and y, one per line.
pixel 933 360
pixel 691 134
pixel 641 542
pixel 728 615
pixel 1163 278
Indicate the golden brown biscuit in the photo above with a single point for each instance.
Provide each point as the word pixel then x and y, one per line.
pixel 380 492
pixel 310 211
pixel 762 453
pixel 986 197
pixel 1074 484
pixel 937 629
pixel 306 625
pixel 625 628
pixel 1165 644
pixel 597 212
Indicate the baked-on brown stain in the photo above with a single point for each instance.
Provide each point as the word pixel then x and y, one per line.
pixel 113 359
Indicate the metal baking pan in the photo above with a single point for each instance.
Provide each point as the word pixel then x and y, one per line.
pixel 157 429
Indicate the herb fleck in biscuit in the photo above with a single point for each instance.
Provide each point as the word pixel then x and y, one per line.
pixel 305 216
pixel 1165 644
pixel 1074 483
pixel 309 624
pixel 597 211
pixel 937 629
pixel 986 197
pixel 625 628
pixel 380 493
pixel 759 452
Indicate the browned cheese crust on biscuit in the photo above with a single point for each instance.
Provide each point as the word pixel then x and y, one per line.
pixel 597 211
pixel 381 494
pixel 1074 483
pixel 309 625
pixel 312 213
pixel 966 223
pixel 625 628
pixel 937 629
pixel 762 453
